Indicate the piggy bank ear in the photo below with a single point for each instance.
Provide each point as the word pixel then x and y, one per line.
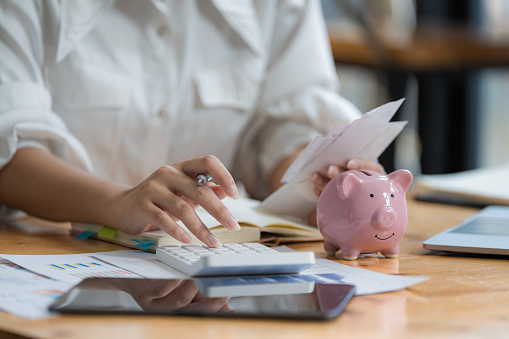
pixel 345 184
pixel 403 178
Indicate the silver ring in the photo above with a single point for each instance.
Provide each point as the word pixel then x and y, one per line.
pixel 202 179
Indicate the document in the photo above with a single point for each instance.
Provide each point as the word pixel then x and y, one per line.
pixel 324 271
pixel 142 263
pixel 365 281
pixel 27 294
pixel 482 186
pixel 69 268
pixel 365 138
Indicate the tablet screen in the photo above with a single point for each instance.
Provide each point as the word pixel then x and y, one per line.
pixel 260 296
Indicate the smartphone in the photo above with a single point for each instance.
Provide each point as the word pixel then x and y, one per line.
pixel 276 296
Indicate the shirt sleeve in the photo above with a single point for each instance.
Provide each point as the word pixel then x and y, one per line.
pixel 300 98
pixel 26 116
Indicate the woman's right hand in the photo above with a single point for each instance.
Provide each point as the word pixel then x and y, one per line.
pixel 171 194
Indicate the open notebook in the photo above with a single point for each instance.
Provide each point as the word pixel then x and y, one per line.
pixel 252 222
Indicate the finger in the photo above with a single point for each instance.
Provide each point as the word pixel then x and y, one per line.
pixel 186 213
pixel 173 182
pixel 334 170
pixel 186 199
pixel 320 181
pixel 218 191
pixel 205 196
pixel 357 163
pixel 151 228
pixel 210 165
pixel 160 218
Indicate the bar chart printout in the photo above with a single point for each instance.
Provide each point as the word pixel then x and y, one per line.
pixel 70 268
pixel 96 270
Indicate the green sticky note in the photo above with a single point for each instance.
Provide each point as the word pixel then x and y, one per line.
pixel 107 232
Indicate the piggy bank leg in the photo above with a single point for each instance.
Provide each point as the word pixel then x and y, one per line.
pixel 391 253
pixel 350 253
pixel 330 248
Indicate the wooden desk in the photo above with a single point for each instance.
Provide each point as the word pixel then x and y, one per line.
pixel 465 297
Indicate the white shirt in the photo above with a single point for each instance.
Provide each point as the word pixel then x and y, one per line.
pixel 120 88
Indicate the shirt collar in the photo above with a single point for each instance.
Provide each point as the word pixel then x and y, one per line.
pixel 242 16
pixel 79 17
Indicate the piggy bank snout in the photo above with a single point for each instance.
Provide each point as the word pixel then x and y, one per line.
pixel 384 218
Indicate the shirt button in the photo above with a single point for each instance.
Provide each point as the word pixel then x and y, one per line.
pixel 163 113
pixel 163 31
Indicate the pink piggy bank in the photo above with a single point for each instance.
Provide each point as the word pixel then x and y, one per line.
pixel 364 212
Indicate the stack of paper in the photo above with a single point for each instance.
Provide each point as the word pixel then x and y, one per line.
pixel 29 284
pixel 365 138
pixel 482 186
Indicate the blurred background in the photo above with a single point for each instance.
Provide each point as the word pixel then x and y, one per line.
pixel 449 58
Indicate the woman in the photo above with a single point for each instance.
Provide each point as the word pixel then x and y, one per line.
pixel 97 97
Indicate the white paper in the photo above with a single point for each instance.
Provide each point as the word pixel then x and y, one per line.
pixel 69 268
pixel 325 271
pixel 487 184
pixel 142 263
pixel 365 281
pixel 365 138
pixel 27 294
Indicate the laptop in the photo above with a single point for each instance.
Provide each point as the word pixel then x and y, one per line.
pixel 487 232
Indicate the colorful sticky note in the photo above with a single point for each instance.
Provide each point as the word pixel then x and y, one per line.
pixel 143 244
pixel 107 232
pixel 85 234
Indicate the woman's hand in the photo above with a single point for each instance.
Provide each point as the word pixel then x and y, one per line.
pixel 59 191
pixel 171 194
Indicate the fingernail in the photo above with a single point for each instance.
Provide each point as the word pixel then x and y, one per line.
pixel 233 192
pixel 352 164
pixel 214 242
pixel 233 225
pixel 186 238
pixel 332 171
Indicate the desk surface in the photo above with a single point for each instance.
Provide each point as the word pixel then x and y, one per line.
pixel 465 297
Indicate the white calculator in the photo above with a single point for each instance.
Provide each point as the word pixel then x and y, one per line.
pixel 233 259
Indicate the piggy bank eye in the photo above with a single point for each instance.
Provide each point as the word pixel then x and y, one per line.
pixel 371 195
pixel 392 195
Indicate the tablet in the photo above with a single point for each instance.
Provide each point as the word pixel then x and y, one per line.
pixel 278 296
pixel 487 232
